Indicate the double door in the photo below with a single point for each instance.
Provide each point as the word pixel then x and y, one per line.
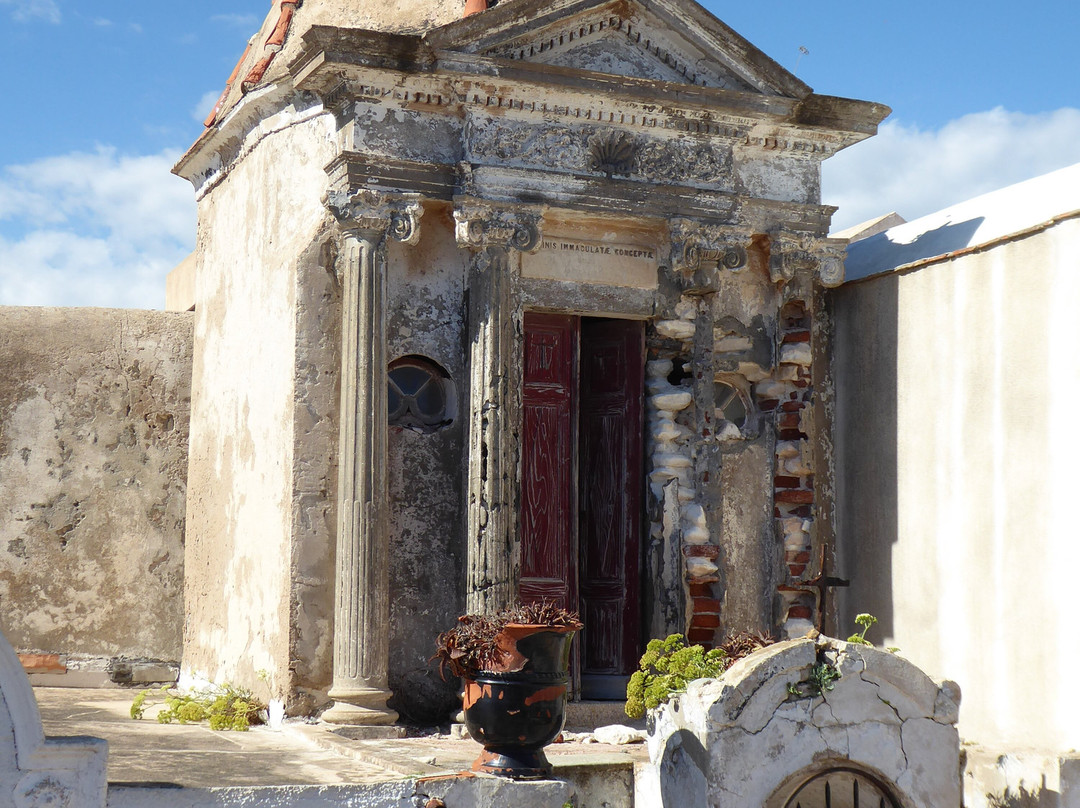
pixel 581 486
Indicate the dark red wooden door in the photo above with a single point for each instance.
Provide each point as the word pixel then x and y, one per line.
pixel 611 383
pixel 581 485
pixel 548 495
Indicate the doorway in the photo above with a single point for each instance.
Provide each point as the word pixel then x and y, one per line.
pixel 581 444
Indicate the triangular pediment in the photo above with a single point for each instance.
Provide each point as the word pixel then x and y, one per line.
pixel 674 41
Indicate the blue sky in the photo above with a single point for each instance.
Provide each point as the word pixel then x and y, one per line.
pixel 102 97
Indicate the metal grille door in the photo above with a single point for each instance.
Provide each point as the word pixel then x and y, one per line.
pixel 842 788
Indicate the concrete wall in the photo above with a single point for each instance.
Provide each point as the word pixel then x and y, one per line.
pixel 955 476
pixel 262 450
pixel 94 408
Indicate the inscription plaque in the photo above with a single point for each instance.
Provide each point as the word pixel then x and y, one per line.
pixel 593 262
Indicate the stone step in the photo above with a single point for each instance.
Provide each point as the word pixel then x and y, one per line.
pixel 585 716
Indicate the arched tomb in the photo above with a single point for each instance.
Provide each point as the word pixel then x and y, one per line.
pixel 874 731
pixel 40 772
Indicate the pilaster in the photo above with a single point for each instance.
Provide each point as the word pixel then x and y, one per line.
pixel 493 558
pixel 362 612
pixel 801 263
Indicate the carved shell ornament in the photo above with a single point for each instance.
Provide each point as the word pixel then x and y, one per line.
pixel 612 153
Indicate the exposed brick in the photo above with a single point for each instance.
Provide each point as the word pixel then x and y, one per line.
pixel 797 336
pixel 701 550
pixel 768 405
pixel 789 420
pixel 703 636
pixel 701 590
pixel 800 613
pixel 795 497
pixel 795 570
pixel 802 510
pixel 705 578
pixel 797 557
pixel 786 482
pixel 792 406
pixel 705 621
pixel 42 663
pixel 791 434
pixel 707 605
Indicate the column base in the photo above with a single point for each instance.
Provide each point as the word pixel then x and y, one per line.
pixel 360 706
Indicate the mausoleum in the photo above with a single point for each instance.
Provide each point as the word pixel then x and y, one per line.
pixel 521 304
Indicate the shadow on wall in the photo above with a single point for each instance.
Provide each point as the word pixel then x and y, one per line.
pixel 880 253
pixel 682 771
pixel 865 436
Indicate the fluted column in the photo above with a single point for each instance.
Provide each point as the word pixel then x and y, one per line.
pixel 493 558
pixel 362 611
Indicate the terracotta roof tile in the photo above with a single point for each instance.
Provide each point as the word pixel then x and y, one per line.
pixel 228 86
pixel 270 49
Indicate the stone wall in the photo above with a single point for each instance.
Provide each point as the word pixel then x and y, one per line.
pixel 94 408
pixel 743 556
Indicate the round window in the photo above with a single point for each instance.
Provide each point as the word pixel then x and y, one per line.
pixel 730 405
pixel 419 394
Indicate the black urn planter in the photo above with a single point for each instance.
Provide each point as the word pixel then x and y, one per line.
pixel 515 714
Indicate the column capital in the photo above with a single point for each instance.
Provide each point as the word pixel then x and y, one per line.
pixel 699 250
pixel 482 224
pixel 375 214
pixel 795 253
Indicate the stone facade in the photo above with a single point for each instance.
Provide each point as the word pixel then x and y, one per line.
pixel 93 456
pixel 417 195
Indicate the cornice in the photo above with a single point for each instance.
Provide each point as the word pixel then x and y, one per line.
pixel 412 75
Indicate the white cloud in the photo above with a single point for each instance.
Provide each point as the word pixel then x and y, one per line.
pixel 98 229
pixel 918 171
pixel 26 10
pixel 202 109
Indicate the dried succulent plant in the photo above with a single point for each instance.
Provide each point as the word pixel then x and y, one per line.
pixel 473 644
pixel 743 643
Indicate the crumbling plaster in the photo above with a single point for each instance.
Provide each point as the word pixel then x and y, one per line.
pixel 426 317
pixel 258 411
pixel 94 410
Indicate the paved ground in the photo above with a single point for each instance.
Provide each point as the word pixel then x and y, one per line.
pixel 298 754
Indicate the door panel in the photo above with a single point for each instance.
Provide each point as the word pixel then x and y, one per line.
pixel 581 485
pixel 611 384
pixel 549 498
